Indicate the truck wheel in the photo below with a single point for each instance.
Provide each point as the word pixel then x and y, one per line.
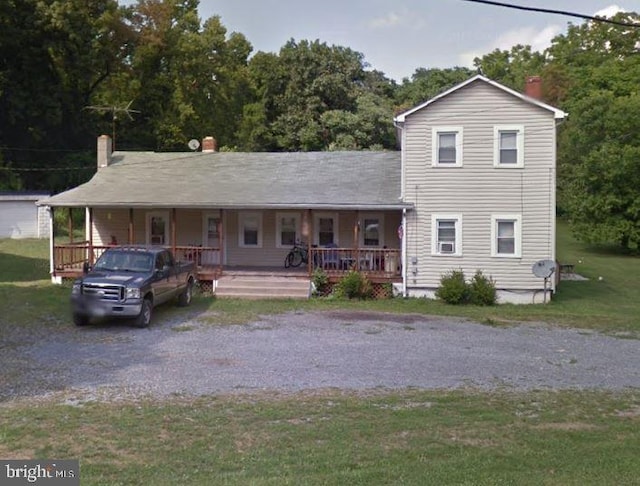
pixel 184 299
pixel 80 319
pixel 144 318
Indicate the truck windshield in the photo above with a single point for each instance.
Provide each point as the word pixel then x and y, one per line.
pixel 125 261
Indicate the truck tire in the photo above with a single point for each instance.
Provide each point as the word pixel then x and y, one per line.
pixel 144 318
pixel 184 299
pixel 80 319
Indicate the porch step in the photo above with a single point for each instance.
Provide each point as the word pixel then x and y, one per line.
pixel 262 287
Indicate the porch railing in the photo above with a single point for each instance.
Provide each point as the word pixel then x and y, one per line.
pixel 72 256
pixel 202 256
pixel 376 261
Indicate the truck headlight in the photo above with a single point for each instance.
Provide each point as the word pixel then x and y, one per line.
pixel 76 289
pixel 132 293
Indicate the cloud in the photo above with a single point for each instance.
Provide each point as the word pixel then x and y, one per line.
pixel 397 19
pixel 538 39
pixel 609 11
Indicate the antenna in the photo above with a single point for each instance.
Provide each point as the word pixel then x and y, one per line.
pixel 544 269
pixel 114 110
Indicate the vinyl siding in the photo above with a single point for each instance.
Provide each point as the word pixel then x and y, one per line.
pixel 478 190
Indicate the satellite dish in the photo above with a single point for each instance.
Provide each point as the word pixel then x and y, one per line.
pixel 194 144
pixel 544 268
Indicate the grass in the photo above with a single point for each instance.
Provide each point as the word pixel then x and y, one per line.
pixel 411 437
pixel 331 437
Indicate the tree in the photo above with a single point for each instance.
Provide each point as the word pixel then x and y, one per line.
pixel 599 144
pixel 511 67
pixel 312 96
pixel 54 54
pixel 427 83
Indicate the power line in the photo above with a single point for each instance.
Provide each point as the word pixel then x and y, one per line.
pixel 557 12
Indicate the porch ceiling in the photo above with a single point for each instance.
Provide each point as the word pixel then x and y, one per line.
pixel 317 180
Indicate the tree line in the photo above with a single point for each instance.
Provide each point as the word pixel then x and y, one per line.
pixel 155 75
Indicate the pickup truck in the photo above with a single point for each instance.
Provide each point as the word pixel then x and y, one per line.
pixel 129 281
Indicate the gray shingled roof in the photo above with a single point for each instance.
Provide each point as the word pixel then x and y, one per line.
pixel 353 180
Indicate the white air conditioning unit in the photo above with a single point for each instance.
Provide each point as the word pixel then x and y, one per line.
pixel 446 247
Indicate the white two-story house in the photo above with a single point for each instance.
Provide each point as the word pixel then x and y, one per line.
pixel 479 170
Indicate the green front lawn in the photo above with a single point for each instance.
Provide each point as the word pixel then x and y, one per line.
pixel 332 438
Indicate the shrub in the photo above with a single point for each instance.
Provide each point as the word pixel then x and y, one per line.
pixel 354 285
pixel 453 288
pixel 320 281
pixel 482 290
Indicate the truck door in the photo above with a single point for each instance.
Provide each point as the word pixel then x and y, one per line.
pixel 162 285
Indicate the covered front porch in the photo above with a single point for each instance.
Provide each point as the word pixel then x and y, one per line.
pixel 223 241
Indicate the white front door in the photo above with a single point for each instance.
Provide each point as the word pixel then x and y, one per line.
pixel 211 225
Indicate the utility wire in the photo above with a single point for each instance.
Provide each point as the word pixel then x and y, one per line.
pixel 557 12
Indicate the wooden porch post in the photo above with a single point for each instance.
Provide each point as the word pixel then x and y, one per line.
pixel 307 228
pixel 356 239
pixel 90 211
pixel 70 225
pixel 52 247
pixel 131 234
pixel 221 242
pixel 173 231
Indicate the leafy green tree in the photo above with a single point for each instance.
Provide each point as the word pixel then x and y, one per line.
pixel 599 144
pixel 511 67
pixel 427 83
pixel 312 96
pixel 54 54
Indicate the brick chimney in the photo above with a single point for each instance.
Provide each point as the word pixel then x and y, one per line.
pixel 209 144
pixel 533 87
pixel 105 147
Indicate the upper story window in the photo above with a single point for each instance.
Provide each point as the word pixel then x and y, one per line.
pixel 506 235
pixel 446 147
pixel 508 146
pixel 446 234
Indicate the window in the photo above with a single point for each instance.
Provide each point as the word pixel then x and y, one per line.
pixel 157 230
pixel 325 229
pixel 446 147
pixel 372 230
pixel 506 236
pixel 446 234
pixel 287 229
pixel 250 230
pixel 508 146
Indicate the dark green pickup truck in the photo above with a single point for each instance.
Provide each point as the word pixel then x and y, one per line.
pixel 128 282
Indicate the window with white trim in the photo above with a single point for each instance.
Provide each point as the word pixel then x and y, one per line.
pixel 250 230
pixel 446 147
pixel 157 228
pixel 506 235
pixel 287 229
pixel 325 229
pixel 372 230
pixel 446 234
pixel 508 146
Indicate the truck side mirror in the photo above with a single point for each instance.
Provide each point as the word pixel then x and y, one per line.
pixel 86 267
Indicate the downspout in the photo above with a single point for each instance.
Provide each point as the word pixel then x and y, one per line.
pixel 404 253
pixel 403 243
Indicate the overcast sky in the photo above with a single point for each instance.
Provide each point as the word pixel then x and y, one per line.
pixel 398 36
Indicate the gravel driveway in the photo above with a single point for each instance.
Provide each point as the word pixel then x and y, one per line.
pixel 302 351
